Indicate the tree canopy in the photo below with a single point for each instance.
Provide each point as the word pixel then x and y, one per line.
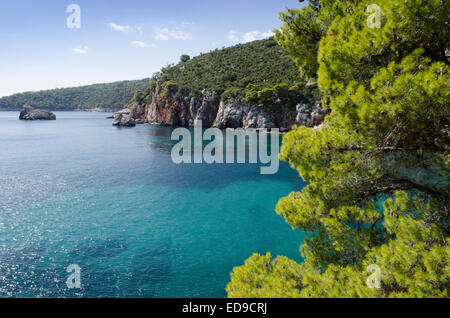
pixel 261 62
pixel 378 173
pixel 252 72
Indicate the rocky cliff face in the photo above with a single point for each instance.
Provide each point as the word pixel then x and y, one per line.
pixel 310 115
pixel 137 112
pixel 182 112
pixel 243 115
pixel 213 112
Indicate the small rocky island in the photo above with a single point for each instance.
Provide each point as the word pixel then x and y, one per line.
pixel 29 113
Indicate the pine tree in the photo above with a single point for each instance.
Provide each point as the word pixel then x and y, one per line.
pixel 377 169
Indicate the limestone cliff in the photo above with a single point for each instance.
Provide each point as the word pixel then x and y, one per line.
pixel 214 112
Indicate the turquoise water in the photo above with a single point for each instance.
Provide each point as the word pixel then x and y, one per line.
pixel 80 191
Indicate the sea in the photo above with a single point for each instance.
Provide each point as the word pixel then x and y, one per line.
pixel 111 202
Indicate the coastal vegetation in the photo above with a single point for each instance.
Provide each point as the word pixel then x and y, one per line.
pixel 259 72
pixel 111 96
pixel 377 202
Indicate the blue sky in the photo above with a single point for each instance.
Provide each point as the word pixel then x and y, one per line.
pixel 118 39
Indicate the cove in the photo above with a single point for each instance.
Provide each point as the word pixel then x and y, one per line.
pixel 79 191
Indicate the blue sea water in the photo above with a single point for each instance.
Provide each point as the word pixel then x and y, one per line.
pixel 80 191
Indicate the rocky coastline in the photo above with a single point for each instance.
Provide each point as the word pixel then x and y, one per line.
pixel 214 112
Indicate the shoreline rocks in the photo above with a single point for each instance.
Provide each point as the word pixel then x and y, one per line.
pixel 137 112
pixel 123 121
pixel 214 112
pixel 125 111
pixel 242 115
pixel 29 113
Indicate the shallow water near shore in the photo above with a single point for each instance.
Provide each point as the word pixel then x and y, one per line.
pixel 80 191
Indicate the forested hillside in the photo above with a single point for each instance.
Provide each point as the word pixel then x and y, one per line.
pixel 108 96
pixel 261 62
pixel 260 72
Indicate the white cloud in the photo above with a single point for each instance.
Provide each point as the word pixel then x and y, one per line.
pixel 120 28
pixel 164 34
pixel 266 35
pixel 233 36
pixel 250 36
pixel 142 44
pixel 81 50
pixel 160 36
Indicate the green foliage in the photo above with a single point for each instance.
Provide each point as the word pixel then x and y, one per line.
pixel 231 95
pixel 170 87
pixel 378 189
pixel 300 35
pixel 251 94
pixel 138 97
pixel 272 94
pixel 277 278
pixel 281 95
pixel 169 90
pixel 229 71
pixel 184 58
pixel 152 84
pixel 304 28
pixel 108 96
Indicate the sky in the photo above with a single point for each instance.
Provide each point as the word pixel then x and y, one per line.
pixel 118 39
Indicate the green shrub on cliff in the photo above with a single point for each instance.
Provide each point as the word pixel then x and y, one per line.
pixel 138 97
pixel 281 94
pixel 169 88
pixel 232 94
pixel 377 203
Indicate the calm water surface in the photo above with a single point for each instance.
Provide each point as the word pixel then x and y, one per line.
pixel 80 191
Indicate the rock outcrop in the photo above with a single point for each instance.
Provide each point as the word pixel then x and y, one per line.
pixel 310 115
pixel 123 121
pixel 214 112
pixel 184 112
pixel 125 111
pixel 242 115
pixel 29 113
pixel 137 112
